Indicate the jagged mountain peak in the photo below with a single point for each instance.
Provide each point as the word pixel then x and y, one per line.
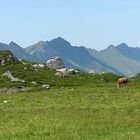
pixel 122 45
pixel 60 41
pixel 18 51
pixel 118 59
pixel 12 43
pixel 111 46
pixel 59 38
pixel 41 43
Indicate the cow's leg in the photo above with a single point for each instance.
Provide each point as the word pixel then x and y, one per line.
pixel 118 85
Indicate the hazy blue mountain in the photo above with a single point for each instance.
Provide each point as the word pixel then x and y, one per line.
pixel 18 51
pixel 3 46
pixel 41 51
pixel 116 59
pixel 120 59
pixel 73 56
pixel 132 53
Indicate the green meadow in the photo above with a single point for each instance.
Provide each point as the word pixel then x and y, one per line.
pixel 79 107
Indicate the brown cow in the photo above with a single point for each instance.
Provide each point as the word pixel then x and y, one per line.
pixel 121 81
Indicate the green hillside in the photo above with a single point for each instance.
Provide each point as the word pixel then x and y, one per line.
pixel 97 110
pixel 45 75
pixel 80 107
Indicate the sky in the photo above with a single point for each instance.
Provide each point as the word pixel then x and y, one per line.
pixel 91 23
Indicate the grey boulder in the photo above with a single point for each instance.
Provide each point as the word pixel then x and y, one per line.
pixel 55 63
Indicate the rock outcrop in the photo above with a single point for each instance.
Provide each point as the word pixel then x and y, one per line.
pixel 62 74
pixel 65 72
pixel 46 86
pixel 55 63
pixel 71 71
pixel 9 75
pixel 14 90
pixel 6 57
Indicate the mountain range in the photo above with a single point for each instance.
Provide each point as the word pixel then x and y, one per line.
pixel 121 59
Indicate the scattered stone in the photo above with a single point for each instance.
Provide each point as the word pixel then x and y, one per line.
pixel 9 75
pixel 46 86
pixel 81 78
pixel 38 66
pixel 92 72
pixel 55 62
pixel 62 87
pixel 62 70
pixel 25 89
pixel 9 90
pixel 132 76
pixel 73 71
pixel 62 74
pixel 102 73
pixel 59 74
pixel 2 62
pixel 34 83
pixel 66 73
pixel 5 101
pixel 70 71
pixel 20 60
pixel 24 63
pixel 104 79
pixel 14 90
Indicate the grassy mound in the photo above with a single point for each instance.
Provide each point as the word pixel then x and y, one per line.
pixel 79 107
pixel 27 72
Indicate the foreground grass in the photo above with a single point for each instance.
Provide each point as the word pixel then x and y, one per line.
pixel 78 113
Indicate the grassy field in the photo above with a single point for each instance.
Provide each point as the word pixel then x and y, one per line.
pixel 98 112
pixel 79 107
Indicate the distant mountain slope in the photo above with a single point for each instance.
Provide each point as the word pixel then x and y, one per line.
pixel 41 51
pixel 121 59
pixel 18 51
pixel 3 46
pixel 132 53
pixel 73 56
pixel 116 59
